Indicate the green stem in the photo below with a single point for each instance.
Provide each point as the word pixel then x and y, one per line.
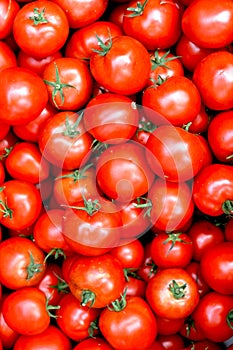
pixel 227 207
pixel 177 291
pixel 38 17
pixel 138 10
pixel 71 128
pixel 33 268
pixel 88 297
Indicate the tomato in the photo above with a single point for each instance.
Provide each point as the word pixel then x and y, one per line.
pixel 191 329
pixel 213 189
pixel 131 255
pixel 51 339
pixel 216 267
pixel 25 163
pixel 125 58
pixel 76 321
pixel 195 271
pixel 69 83
pixel 7 335
pixel 172 293
pixel 93 344
pixel 36 65
pixel 171 250
pixel 80 14
pixel 116 14
pixel 129 176
pixel 90 276
pixel 214 315
pixel 148 268
pixel 22 263
pixel 154 24
pixel 204 344
pixel 7 56
pixel 228 230
pixel 177 99
pixel 40 28
pixel 220 136
pixel 2 178
pixel 172 205
pixel 25 311
pixel 204 235
pixel 111 118
pixel 212 76
pixel 211 23
pixel 171 341
pixel 200 123
pixel 82 41
pixel 64 141
pixel 22 204
pixel 8 11
pixel 19 84
pixel 129 321
pixel 167 326
pixel 135 286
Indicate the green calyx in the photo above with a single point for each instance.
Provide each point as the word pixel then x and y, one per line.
pixel 33 268
pixel 178 291
pixel 38 17
pixel 77 174
pixel 71 128
pixel 173 238
pixel 138 10
pixel 88 298
pixel 157 61
pixel 227 207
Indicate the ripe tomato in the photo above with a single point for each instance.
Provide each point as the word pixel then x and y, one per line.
pixel 220 136
pixel 131 255
pixel 82 41
pixel 76 321
pixel 228 230
pixel 111 118
pixel 19 84
pixel 7 335
pixel 213 189
pixel 22 204
pixel 177 99
pixel 216 267
pixel 171 341
pixel 172 293
pixel 7 56
pixel 195 271
pixel 69 83
pixel 154 24
pixel 214 316
pixel 212 76
pixel 204 344
pixel 8 11
pixel 125 58
pixel 96 343
pixel 129 321
pixel 51 339
pixel 211 23
pixel 40 28
pixel 25 311
pixel 90 276
pixel 167 326
pixel 22 263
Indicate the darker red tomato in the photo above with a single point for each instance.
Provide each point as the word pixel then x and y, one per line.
pixel 171 341
pixel 205 344
pixel 7 335
pixel 228 230
pixel 40 28
pixel 194 270
pixel 131 255
pixel 96 343
pixel 168 326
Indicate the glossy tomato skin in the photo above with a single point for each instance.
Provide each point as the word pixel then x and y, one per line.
pixel 200 345
pixel 25 311
pixel 171 341
pixel 212 313
pixel 40 37
pixel 7 335
pixel 211 23
pixel 95 274
pixel 34 94
pixel 129 324
pixel 220 136
pixel 82 42
pixel 22 263
pixel 160 293
pixel 195 271
pixel 168 326
pixel 216 267
pixel 23 204
pixel 52 339
pixel 8 12
pixel 7 56
pixel 213 189
pixel 127 59
pixel 131 255
pixel 212 76
pixel 96 343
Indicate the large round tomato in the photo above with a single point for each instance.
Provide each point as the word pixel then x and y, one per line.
pixel 7 335
pixel 40 28
pixel 23 95
pixel 8 11
pixel 208 24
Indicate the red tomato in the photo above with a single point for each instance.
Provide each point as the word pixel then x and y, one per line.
pixel 154 24
pixel 80 14
pixel 111 118
pixel 171 250
pixel 125 58
pixel 2 178
pixel 82 41
pixel 213 315
pixel 129 321
pixel 25 162
pixel 194 270
pixel 40 28
pixel 228 230
pixel 171 341
pixel 22 263
pixel 205 344
pixel 7 335
pixel 96 343
pixel 220 136
pixel 116 14
pixel 135 286
pixel 211 23
pixel 172 293
pixel 216 267
pixel 213 189
pixel 131 255
pixel 8 11
pixel 51 339
pixel 76 321
pixel 212 76
pixel 90 276
pixel 200 123
pixel 25 311
pixel 7 56
pixel 69 83
pixel 167 326
pixel 19 84
pixel 22 204
pixel 177 99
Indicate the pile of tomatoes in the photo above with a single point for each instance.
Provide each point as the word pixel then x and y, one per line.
pixel 116 178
